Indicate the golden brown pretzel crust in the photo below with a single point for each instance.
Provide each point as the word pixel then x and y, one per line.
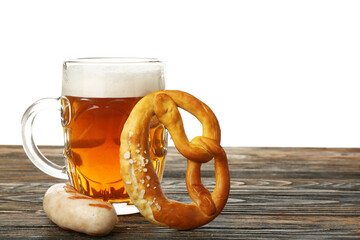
pixel 139 175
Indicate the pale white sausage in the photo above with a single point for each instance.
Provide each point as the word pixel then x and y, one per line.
pixel 71 210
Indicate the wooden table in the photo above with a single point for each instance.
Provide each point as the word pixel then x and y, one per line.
pixel 281 193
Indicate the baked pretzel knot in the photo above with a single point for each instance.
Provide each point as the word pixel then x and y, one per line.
pixel 139 176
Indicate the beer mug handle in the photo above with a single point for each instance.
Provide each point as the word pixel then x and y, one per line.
pixel 31 149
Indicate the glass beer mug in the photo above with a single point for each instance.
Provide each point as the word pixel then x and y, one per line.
pixel 98 95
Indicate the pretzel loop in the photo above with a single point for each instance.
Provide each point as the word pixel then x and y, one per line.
pixel 142 183
pixel 167 112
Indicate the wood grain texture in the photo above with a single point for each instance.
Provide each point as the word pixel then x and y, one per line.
pixel 276 193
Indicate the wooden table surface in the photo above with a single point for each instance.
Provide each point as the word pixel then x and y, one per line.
pixel 276 193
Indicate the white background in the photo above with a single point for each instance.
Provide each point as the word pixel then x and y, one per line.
pixel 276 73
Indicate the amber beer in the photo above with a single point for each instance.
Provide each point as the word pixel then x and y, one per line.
pixel 98 96
pixel 93 143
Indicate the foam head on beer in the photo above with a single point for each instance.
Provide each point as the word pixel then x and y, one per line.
pixel 112 77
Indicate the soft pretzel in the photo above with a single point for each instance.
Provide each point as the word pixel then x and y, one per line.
pixel 71 210
pixel 139 175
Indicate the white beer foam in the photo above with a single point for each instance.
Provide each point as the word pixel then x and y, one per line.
pixel 112 77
